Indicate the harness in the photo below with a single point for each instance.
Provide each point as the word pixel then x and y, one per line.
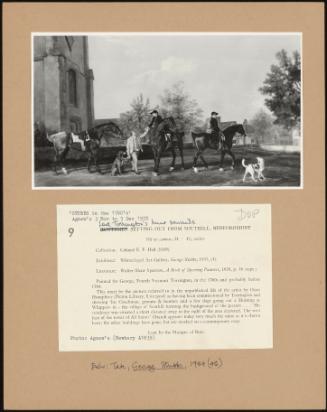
pixel 83 142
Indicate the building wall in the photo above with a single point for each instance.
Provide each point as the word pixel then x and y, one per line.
pixel 52 92
pixel 54 57
pixel 40 46
pixel 39 95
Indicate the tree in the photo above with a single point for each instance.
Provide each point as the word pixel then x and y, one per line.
pixel 262 124
pixel 137 117
pixel 283 86
pixel 178 103
pixel 265 130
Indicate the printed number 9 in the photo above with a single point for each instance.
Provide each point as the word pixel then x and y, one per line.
pixel 71 231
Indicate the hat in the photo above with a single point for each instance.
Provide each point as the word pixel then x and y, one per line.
pixel 154 111
pixel 212 113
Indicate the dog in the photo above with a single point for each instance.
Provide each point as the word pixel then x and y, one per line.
pixel 254 168
pixel 118 164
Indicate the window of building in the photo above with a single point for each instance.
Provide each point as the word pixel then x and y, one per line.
pixel 72 87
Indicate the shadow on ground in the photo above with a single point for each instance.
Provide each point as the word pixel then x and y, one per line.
pixel 282 169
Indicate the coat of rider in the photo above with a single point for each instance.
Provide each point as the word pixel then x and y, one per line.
pixel 156 119
pixel 215 130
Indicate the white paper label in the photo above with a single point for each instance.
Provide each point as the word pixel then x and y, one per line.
pixel 163 277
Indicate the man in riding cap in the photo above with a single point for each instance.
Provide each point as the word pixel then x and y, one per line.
pixel 156 120
pixel 215 130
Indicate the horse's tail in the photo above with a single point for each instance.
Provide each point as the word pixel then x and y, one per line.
pixel 243 163
pixel 53 139
pixel 195 142
pixel 194 136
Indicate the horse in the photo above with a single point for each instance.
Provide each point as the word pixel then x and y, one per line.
pixel 203 141
pixel 89 141
pixel 166 137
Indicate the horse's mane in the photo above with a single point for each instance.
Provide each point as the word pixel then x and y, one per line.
pixel 167 121
pixel 105 124
pixel 232 127
pixel 171 120
pixel 231 130
pixel 113 126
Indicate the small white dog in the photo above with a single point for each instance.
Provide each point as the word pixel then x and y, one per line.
pixel 254 168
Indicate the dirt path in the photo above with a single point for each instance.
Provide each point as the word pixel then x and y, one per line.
pixel 282 169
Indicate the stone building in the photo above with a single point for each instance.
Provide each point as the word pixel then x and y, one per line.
pixel 63 83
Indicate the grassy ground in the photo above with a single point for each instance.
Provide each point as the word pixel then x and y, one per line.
pixel 282 169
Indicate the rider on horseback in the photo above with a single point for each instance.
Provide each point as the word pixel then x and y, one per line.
pixel 215 130
pixel 156 120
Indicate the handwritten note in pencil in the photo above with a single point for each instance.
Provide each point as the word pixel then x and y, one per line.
pixel 157 366
pixel 147 277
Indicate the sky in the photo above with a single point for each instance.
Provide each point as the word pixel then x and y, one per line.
pixel 222 72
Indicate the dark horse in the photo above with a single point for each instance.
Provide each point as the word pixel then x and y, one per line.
pixel 89 141
pixel 166 137
pixel 203 141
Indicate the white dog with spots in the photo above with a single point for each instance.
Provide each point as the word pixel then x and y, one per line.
pixel 254 169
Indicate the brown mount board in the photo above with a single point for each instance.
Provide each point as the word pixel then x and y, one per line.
pixel 37 376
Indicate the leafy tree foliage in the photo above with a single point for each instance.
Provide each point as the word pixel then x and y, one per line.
pixel 261 124
pixel 265 130
pixel 137 118
pixel 178 103
pixel 283 86
pixel 174 102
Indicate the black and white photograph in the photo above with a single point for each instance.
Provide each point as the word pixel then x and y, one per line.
pixel 167 110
